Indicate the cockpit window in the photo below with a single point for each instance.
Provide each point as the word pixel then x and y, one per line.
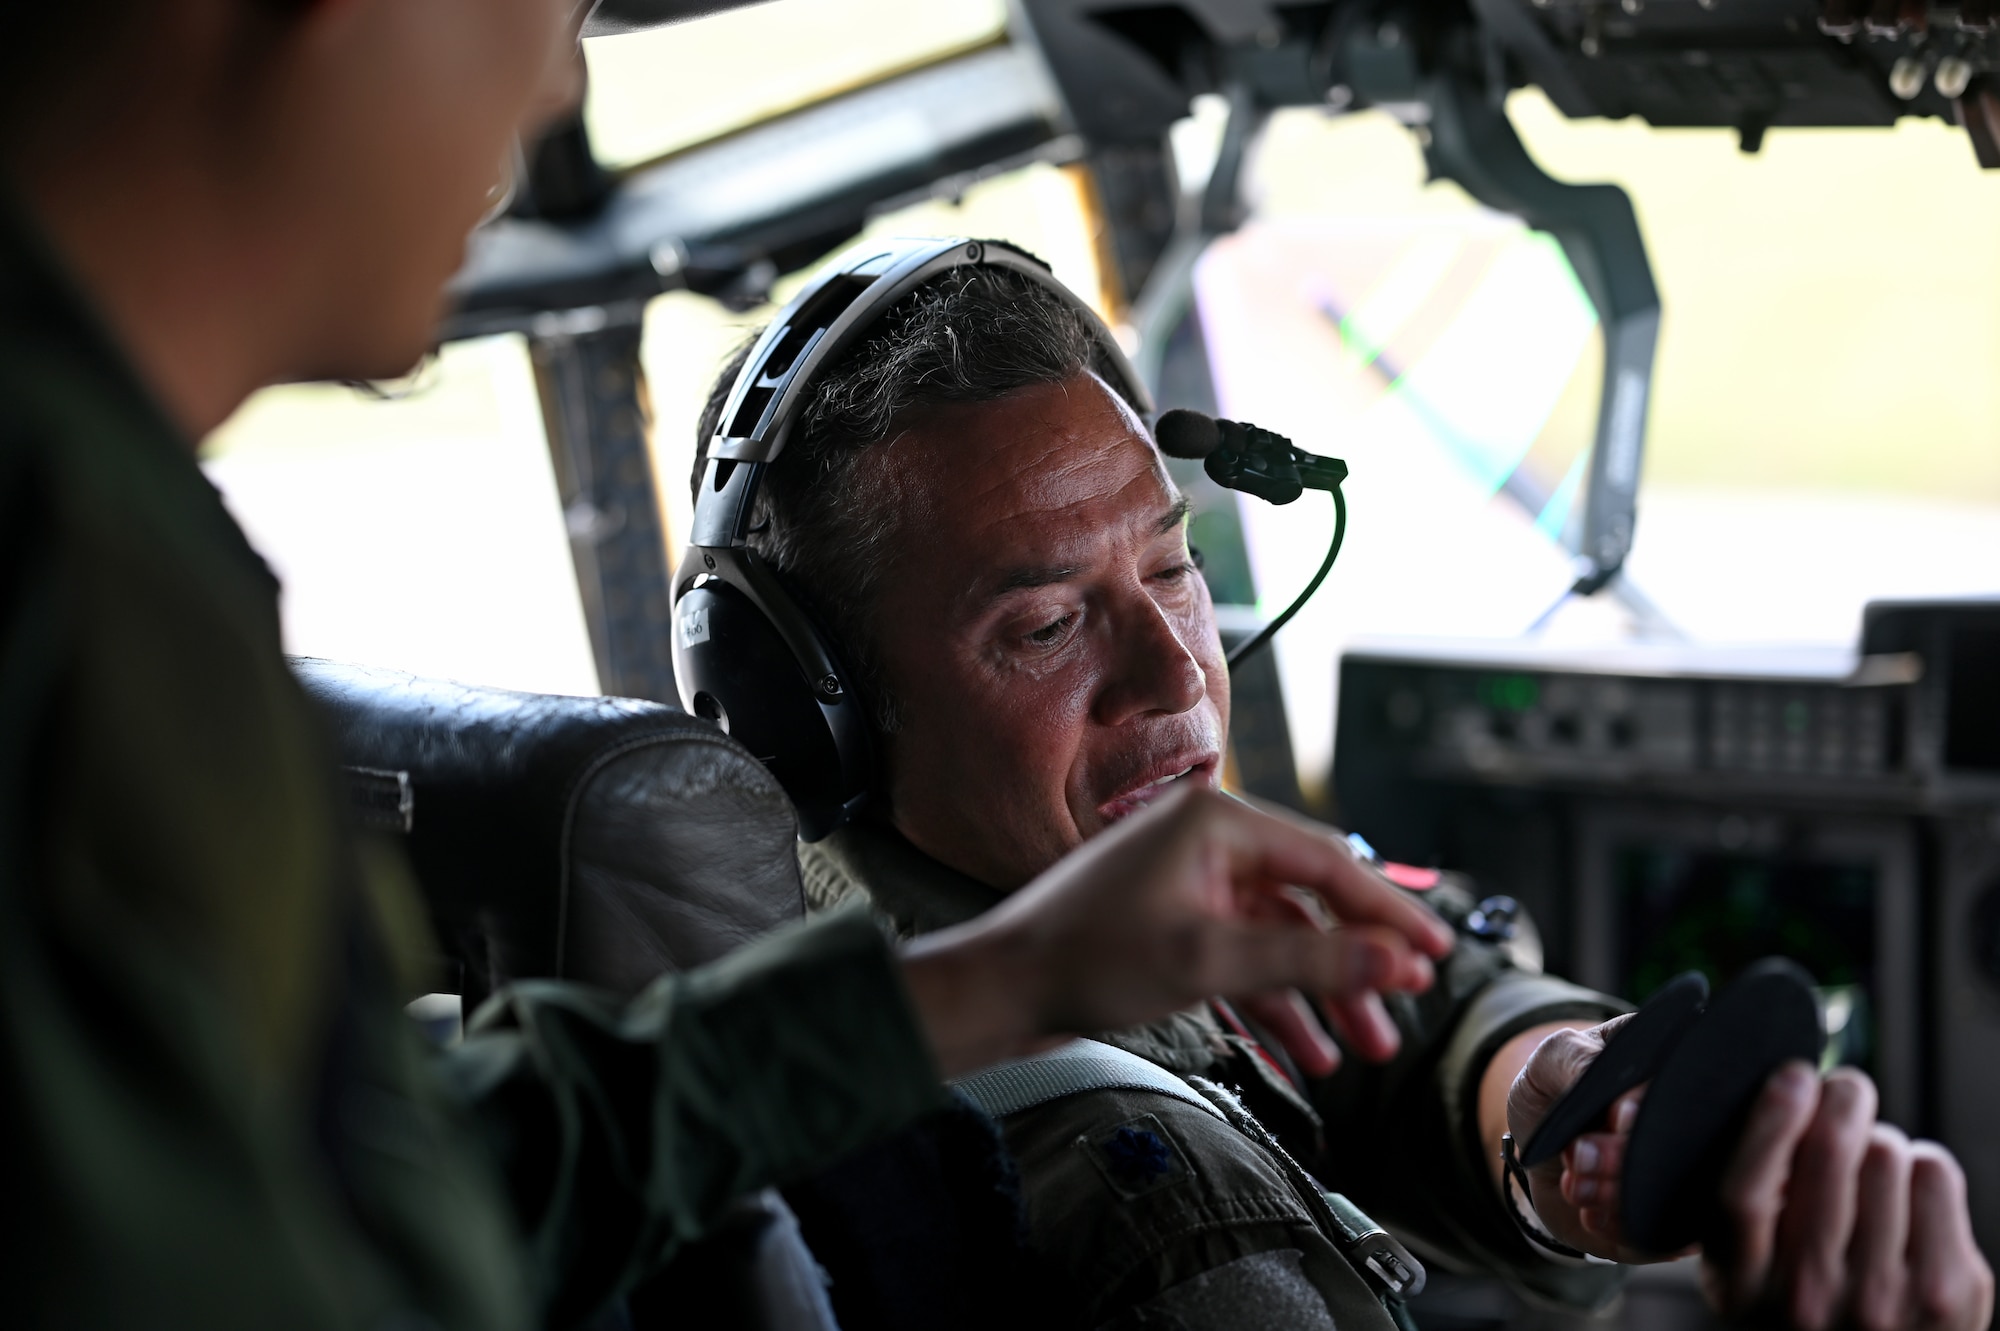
pixel 416 526
pixel 1824 410
pixel 1821 430
pixel 1828 388
pixel 735 69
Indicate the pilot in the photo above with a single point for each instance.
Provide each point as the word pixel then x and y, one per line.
pixel 985 527
pixel 215 1112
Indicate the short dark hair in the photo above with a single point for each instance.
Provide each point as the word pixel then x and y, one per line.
pixel 42 45
pixel 973 334
pixel 58 58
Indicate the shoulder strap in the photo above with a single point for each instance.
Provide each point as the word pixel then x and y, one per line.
pixel 1383 1271
pixel 1079 1066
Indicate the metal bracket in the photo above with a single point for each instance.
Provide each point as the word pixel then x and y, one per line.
pixel 1472 142
pixel 593 395
pixel 1215 210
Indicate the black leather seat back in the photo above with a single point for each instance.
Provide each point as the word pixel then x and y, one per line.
pixel 601 840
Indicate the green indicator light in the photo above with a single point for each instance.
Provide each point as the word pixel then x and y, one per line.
pixel 1510 693
pixel 1797 716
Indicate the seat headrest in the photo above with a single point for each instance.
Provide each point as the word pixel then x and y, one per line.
pixel 601 840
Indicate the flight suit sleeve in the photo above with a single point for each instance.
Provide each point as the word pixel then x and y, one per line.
pixel 624 1130
pixel 1403 1137
pixel 216 1113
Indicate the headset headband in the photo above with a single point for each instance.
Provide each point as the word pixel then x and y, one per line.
pixel 825 321
pixel 746 654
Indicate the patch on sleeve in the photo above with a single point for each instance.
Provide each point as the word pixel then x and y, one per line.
pixel 1137 1157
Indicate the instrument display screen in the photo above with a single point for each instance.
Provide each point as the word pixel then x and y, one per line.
pixel 1683 908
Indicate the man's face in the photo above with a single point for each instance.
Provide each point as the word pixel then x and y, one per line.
pixel 402 116
pixel 1051 649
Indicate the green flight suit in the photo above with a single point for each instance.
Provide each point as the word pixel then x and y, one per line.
pixel 1400 1139
pixel 213 1111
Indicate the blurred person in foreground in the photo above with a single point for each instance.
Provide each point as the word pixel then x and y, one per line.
pixel 215 1112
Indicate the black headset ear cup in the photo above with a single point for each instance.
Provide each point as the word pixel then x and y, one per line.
pixel 799 717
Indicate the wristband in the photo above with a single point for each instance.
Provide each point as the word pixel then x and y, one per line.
pixel 1520 1202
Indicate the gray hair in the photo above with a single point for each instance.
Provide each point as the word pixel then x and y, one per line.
pixel 974 334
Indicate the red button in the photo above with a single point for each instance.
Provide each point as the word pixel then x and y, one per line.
pixel 1411 877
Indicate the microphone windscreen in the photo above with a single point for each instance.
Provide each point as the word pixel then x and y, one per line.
pixel 1187 434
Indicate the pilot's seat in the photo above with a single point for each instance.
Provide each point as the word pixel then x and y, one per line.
pixel 609 841
pixel 600 840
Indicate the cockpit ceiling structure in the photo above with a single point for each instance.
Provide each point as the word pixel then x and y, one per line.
pixel 1100 83
pixel 1750 65
pixel 1102 77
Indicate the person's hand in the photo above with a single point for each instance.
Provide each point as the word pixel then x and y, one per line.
pixel 1834 1218
pixel 1829 1217
pixel 1576 1192
pixel 1183 902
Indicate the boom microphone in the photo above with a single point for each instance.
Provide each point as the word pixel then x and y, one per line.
pixel 1244 457
pixel 1258 462
pixel 1188 434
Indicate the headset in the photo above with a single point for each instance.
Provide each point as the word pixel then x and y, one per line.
pixel 747 655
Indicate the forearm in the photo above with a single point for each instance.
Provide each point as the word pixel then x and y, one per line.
pixel 1429 1114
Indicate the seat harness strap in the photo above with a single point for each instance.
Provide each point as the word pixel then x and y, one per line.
pixel 1072 1069
pixel 1091 1065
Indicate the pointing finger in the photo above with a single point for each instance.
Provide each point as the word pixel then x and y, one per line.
pixel 1282 849
pixel 1252 957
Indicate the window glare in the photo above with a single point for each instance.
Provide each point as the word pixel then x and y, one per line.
pixel 423 533
pixel 1828 320
pixel 652 93
pixel 1825 410
pixel 1829 315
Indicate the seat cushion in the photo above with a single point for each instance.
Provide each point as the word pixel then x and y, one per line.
pixel 601 840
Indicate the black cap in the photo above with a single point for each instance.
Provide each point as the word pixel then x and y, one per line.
pixel 615 16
